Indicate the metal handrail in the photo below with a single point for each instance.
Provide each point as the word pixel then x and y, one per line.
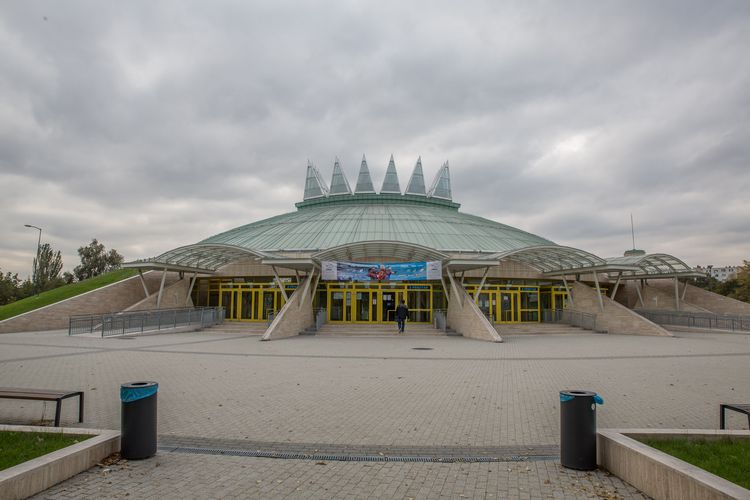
pixel 439 319
pixel 708 321
pixel 321 317
pixel 144 321
pixel 580 319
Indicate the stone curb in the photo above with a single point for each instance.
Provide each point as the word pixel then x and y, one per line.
pixel 34 476
pixel 658 474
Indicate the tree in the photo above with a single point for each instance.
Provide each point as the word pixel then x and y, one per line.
pixel 95 260
pixel 742 290
pixel 47 267
pixel 10 285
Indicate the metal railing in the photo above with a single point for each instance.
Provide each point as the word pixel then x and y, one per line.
pixel 575 318
pixel 688 319
pixel 321 317
pixel 145 321
pixel 439 319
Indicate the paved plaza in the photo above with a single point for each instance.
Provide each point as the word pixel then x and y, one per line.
pixel 228 401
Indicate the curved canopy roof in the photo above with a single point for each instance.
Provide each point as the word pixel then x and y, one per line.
pixel 551 258
pixel 653 265
pixel 199 258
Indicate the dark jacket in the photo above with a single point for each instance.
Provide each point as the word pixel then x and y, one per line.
pixel 402 312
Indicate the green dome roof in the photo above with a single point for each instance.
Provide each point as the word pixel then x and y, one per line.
pixel 323 223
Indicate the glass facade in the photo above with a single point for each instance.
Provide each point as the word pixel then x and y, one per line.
pixel 257 299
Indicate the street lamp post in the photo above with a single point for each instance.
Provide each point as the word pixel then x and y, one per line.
pixel 38 249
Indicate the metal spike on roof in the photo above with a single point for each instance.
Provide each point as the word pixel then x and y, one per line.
pixel 416 181
pixel 339 184
pixel 390 183
pixel 441 186
pixel 364 182
pixel 314 185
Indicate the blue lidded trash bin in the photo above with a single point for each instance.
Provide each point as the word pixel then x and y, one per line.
pixel 138 429
pixel 578 429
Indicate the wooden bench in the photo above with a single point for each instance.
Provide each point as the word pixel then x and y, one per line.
pixel 739 408
pixel 44 395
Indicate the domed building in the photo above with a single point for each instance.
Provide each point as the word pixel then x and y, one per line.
pixel 349 256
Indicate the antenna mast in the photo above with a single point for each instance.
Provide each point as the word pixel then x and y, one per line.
pixel 632 231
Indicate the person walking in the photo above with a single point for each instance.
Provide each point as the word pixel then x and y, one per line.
pixel 402 312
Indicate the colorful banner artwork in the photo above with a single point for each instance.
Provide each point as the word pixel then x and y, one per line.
pixel 381 271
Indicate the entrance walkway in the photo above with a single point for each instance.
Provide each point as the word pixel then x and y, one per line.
pixel 367 395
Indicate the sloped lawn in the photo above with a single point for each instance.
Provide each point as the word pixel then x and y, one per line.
pixel 63 292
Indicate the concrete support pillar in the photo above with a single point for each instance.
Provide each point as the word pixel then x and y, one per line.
pixel 281 285
pixel 143 283
pixel 598 291
pixel 481 285
pixel 617 284
pixel 567 290
pixel 190 288
pixel 638 291
pixel 161 288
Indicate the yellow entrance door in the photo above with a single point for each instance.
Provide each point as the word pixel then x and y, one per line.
pixel 365 306
pixel 389 300
pixel 340 305
pixel 247 305
pixel 559 300
pixel 529 304
pixel 228 300
pixel 484 302
pixel 507 307
pixel 268 303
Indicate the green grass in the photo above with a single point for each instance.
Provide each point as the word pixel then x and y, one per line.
pixel 63 292
pixel 725 458
pixel 19 447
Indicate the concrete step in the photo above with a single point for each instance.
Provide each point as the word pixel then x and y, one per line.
pixel 240 327
pixel 389 330
pixel 538 329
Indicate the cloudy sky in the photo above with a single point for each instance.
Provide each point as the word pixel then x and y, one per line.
pixel 150 125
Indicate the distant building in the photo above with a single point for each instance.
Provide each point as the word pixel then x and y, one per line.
pixel 724 273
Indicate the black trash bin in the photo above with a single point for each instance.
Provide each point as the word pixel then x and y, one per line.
pixel 578 429
pixel 138 430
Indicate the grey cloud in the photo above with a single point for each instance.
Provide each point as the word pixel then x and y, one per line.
pixel 154 125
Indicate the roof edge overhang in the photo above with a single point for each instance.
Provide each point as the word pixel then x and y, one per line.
pixel 468 264
pixel 379 248
pixel 644 276
pixel 155 265
pixel 199 257
pixel 298 264
pixel 552 259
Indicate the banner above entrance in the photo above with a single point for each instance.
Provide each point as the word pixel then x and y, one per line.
pixel 381 271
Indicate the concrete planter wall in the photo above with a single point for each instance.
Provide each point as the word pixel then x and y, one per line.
pixel 658 474
pixel 34 476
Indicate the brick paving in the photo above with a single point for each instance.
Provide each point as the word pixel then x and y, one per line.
pixel 174 475
pixel 373 393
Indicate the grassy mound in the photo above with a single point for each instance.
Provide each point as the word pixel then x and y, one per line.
pixel 63 292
